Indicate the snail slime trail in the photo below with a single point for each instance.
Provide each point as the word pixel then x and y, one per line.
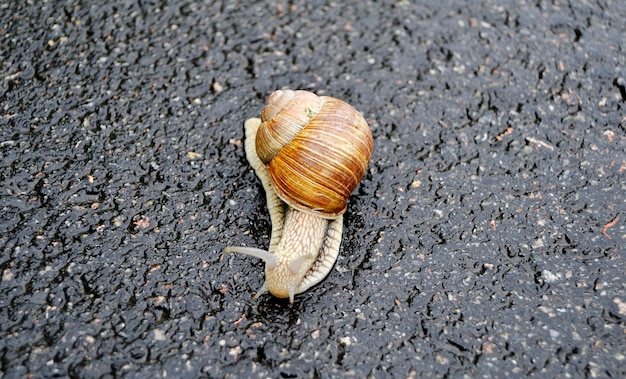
pixel 310 153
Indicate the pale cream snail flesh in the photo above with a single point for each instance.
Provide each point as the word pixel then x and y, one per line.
pixel 309 152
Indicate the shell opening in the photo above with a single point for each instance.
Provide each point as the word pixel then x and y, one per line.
pixel 269 258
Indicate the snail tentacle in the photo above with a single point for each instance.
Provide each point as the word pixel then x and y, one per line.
pixel 269 258
pixel 260 292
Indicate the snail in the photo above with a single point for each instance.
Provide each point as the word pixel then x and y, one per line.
pixel 309 152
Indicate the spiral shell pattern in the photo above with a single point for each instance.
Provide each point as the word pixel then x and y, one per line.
pixel 316 149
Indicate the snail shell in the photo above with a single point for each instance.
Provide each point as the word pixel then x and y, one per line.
pixel 316 149
pixel 310 153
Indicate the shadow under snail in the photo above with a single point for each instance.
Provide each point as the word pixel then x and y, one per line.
pixel 310 152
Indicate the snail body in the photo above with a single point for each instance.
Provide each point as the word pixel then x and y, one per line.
pixel 310 153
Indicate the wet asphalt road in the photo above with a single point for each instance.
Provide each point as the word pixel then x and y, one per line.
pixel 487 239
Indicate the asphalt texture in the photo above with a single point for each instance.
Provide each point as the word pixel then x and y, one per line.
pixel 487 238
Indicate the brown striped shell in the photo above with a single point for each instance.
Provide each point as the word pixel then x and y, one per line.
pixel 316 148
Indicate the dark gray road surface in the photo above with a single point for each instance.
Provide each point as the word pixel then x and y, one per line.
pixel 487 239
